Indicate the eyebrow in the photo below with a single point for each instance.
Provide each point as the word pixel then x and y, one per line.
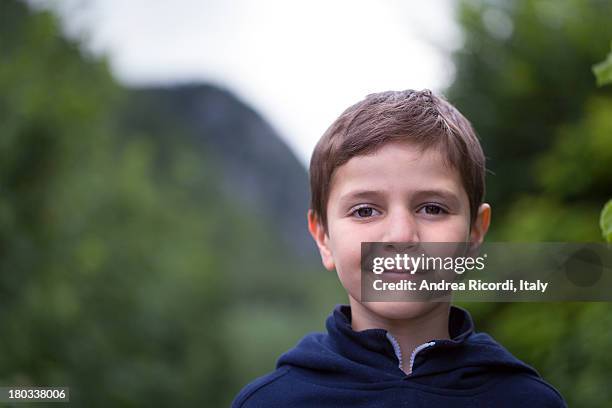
pixel 441 193
pixel 361 194
pixel 368 194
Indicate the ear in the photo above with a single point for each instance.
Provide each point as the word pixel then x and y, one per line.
pixel 322 239
pixel 480 226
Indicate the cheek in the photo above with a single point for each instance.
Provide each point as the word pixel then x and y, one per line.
pixel 345 243
pixel 454 229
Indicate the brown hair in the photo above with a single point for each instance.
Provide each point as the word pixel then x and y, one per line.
pixel 419 117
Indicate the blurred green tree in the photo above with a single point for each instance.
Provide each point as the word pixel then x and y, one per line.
pixel 524 79
pixel 125 273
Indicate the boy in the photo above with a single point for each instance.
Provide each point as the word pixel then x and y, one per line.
pixel 397 167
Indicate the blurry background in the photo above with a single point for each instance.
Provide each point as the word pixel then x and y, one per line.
pixel 153 183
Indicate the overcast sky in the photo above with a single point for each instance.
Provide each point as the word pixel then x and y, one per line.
pixel 299 64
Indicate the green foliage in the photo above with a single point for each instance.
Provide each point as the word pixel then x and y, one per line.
pixel 524 86
pixel 605 221
pixel 126 272
pixel 524 80
pixel 603 70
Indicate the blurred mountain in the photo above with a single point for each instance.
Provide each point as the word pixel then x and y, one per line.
pixel 255 167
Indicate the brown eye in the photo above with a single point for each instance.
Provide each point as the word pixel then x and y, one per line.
pixel 364 212
pixel 432 209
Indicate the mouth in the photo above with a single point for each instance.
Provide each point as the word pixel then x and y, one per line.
pixel 396 272
pixel 405 274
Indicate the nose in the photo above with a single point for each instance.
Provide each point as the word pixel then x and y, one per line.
pixel 401 230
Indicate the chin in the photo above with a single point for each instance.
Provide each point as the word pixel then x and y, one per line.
pixel 402 310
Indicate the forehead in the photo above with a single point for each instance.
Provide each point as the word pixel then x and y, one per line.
pixel 397 167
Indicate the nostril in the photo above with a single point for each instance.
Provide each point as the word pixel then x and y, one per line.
pixel 401 246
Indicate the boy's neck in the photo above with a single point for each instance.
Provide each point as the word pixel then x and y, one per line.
pixel 409 333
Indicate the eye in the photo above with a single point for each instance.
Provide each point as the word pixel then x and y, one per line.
pixel 433 209
pixel 364 211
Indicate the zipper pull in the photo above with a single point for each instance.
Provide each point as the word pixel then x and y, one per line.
pixel 416 351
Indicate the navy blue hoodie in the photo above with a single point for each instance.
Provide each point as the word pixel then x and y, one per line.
pixel 345 368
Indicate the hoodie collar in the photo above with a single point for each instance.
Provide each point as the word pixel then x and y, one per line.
pixel 460 327
pixel 343 355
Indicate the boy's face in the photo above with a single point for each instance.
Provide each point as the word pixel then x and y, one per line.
pixel 396 194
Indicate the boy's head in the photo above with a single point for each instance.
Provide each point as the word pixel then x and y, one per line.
pixel 395 167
